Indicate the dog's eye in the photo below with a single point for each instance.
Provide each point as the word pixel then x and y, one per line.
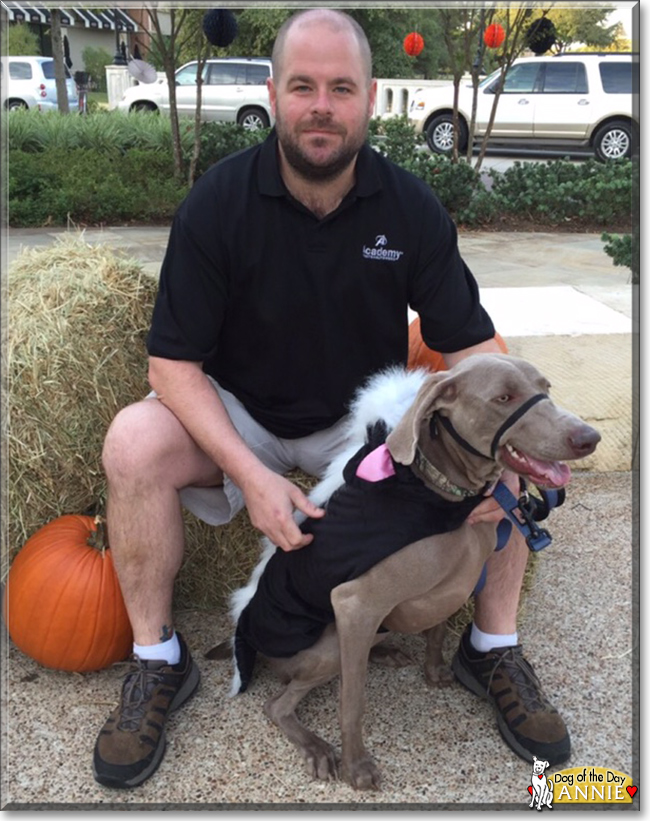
pixel 504 398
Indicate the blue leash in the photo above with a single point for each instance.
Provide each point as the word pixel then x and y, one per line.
pixel 531 510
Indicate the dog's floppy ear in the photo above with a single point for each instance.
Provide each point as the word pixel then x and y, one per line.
pixel 439 389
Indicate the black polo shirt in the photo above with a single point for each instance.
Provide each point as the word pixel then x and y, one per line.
pixel 292 313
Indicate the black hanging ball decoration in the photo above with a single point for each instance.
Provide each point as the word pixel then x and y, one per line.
pixel 220 27
pixel 540 35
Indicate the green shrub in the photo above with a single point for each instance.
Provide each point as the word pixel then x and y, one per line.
pixel 100 149
pixel 21 41
pixel 455 184
pixel 396 139
pixel 624 250
pixel 218 140
pixel 95 62
pixel 91 188
pixel 23 130
pixel 557 191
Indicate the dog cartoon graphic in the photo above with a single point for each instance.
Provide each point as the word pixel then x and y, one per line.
pixel 542 787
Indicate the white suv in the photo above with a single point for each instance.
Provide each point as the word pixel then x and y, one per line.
pixel 28 82
pixel 234 90
pixel 565 100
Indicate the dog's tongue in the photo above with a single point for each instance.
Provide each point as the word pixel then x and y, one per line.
pixel 548 474
pixel 544 474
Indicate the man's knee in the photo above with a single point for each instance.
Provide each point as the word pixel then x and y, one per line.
pixel 134 441
pixel 146 444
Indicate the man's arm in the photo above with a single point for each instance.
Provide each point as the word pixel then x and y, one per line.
pixel 270 498
pixel 489 346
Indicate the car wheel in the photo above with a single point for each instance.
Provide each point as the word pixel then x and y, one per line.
pixel 143 106
pixel 613 141
pixel 440 134
pixel 15 105
pixel 253 119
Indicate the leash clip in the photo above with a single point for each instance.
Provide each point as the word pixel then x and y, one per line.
pixel 538 538
pixel 524 514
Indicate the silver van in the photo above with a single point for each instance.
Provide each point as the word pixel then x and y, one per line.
pixel 233 90
pixel 28 82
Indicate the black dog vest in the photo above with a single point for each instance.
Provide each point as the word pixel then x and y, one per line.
pixel 365 522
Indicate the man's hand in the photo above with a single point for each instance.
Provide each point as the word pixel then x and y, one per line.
pixel 271 500
pixel 490 510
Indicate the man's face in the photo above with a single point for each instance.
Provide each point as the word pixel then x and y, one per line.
pixel 321 100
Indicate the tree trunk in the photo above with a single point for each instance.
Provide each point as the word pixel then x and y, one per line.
pixel 169 62
pixel 514 44
pixel 456 120
pixel 203 51
pixel 59 65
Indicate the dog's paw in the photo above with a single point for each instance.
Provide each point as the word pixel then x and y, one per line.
pixel 362 774
pixel 320 759
pixel 389 656
pixel 438 675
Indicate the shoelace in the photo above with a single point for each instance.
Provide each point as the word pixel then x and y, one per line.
pixel 521 674
pixel 137 691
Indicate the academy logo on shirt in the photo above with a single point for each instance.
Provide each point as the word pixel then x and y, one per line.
pixel 380 251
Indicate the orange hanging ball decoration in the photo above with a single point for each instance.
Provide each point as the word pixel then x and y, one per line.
pixel 494 35
pixel 413 44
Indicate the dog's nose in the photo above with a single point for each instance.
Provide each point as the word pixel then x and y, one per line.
pixel 583 440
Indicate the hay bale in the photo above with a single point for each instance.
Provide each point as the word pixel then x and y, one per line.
pixel 73 355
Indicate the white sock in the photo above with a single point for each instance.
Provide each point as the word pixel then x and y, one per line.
pixel 168 651
pixel 484 642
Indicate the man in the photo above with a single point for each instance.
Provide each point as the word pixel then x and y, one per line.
pixel 286 283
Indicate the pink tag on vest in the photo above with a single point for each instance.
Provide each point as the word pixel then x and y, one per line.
pixel 377 465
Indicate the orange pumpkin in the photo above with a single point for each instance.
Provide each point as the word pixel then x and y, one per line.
pixel 63 605
pixel 422 357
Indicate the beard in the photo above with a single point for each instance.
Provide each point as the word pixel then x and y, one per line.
pixel 336 161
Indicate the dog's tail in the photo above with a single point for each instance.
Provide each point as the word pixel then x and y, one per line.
pixel 244 660
pixel 240 598
pixel 385 397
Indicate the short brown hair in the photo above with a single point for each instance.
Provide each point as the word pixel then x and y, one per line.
pixel 338 21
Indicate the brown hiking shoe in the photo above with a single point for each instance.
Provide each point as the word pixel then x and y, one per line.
pixel 131 744
pixel 527 720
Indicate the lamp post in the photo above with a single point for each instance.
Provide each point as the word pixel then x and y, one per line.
pixel 118 59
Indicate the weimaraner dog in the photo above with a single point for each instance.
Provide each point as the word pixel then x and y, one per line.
pixel 440 442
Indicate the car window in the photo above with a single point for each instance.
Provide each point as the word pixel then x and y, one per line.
pixel 618 78
pixel 223 74
pixel 565 78
pixel 187 76
pixel 20 71
pixel 48 69
pixel 520 79
pixel 257 75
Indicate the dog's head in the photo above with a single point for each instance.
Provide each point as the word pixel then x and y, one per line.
pixel 539 765
pixel 499 415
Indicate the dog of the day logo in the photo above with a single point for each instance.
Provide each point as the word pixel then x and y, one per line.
pixel 578 785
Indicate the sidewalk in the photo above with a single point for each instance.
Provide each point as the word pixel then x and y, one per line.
pixel 558 301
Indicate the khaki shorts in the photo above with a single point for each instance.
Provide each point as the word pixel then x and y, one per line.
pixel 312 454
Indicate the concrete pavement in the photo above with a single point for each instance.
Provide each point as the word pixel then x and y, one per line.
pixel 558 300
